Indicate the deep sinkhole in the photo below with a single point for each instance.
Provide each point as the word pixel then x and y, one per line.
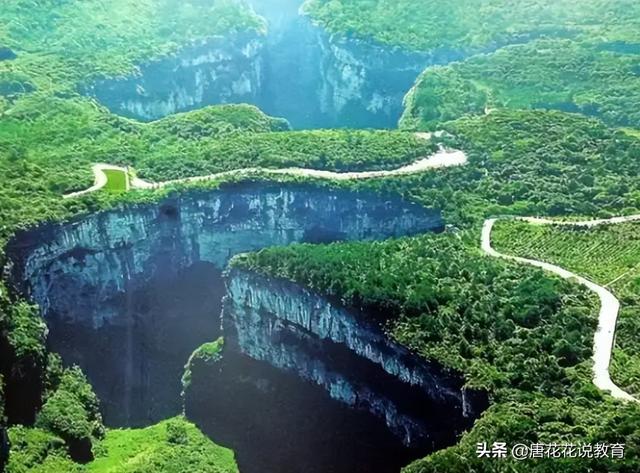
pixel 128 294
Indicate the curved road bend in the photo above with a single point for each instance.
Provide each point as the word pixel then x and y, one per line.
pixel 609 305
pixel 440 159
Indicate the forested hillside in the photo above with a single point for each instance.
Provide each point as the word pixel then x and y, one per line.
pixel 63 44
pixel 512 330
pixel 543 98
pixel 532 163
pixel 600 80
pixel 474 24
pixel 608 255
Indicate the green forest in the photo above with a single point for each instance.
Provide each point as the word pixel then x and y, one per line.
pixel 608 255
pixel 596 79
pixel 544 99
pixel 530 346
pixel 474 25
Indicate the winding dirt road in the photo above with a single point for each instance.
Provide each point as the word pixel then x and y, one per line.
pixel 604 337
pixel 441 159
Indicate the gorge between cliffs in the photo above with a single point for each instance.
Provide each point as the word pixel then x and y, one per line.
pixel 144 285
pixel 294 69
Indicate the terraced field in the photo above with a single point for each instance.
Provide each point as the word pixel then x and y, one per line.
pixel 608 255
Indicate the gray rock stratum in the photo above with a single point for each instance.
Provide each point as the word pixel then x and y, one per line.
pixel 84 274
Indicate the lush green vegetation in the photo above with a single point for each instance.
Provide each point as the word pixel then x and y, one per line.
pixel 172 446
pixel 72 412
pixel 514 331
pixel 38 450
pixel 218 121
pixel 117 181
pixel 61 44
pixel 510 329
pixel 523 162
pixel 608 255
pixel 335 150
pixel 206 353
pixel 530 163
pixel 593 79
pixel 532 418
pixel 443 300
pixel 473 24
pixel 47 147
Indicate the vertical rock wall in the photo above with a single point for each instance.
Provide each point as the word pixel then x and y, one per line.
pixel 347 354
pixel 104 282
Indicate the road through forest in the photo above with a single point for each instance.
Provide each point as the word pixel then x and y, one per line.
pixel 604 337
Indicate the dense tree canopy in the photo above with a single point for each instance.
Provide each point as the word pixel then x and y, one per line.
pixel 608 255
pixel 474 24
pixel 600 80
pixel 524 337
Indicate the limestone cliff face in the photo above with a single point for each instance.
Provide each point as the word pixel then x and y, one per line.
pixel 297 330
pixel 216 71
pixel 296 71
pixel 74 270
pixel 141 285
pixel 365 82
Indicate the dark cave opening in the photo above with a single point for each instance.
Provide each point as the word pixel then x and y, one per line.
pixel 277 423
pixel 274 420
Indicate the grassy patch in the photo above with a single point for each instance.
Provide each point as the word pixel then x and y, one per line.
pixel 117 181
pixel 172 446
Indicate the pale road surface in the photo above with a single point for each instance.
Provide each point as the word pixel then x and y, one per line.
pixel 604 337
pixel 441 159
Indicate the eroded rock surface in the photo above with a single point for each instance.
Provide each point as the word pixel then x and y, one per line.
pixel 141 285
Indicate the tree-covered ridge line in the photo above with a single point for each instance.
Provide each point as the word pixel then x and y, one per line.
pixel 524 336
pixel 597 79
pixel 521 162
pixel 532 163
pixel 62 43
pixel 430 285
pixel 48 145
pixel 329 150
pixel 475 25
pixel 609 255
